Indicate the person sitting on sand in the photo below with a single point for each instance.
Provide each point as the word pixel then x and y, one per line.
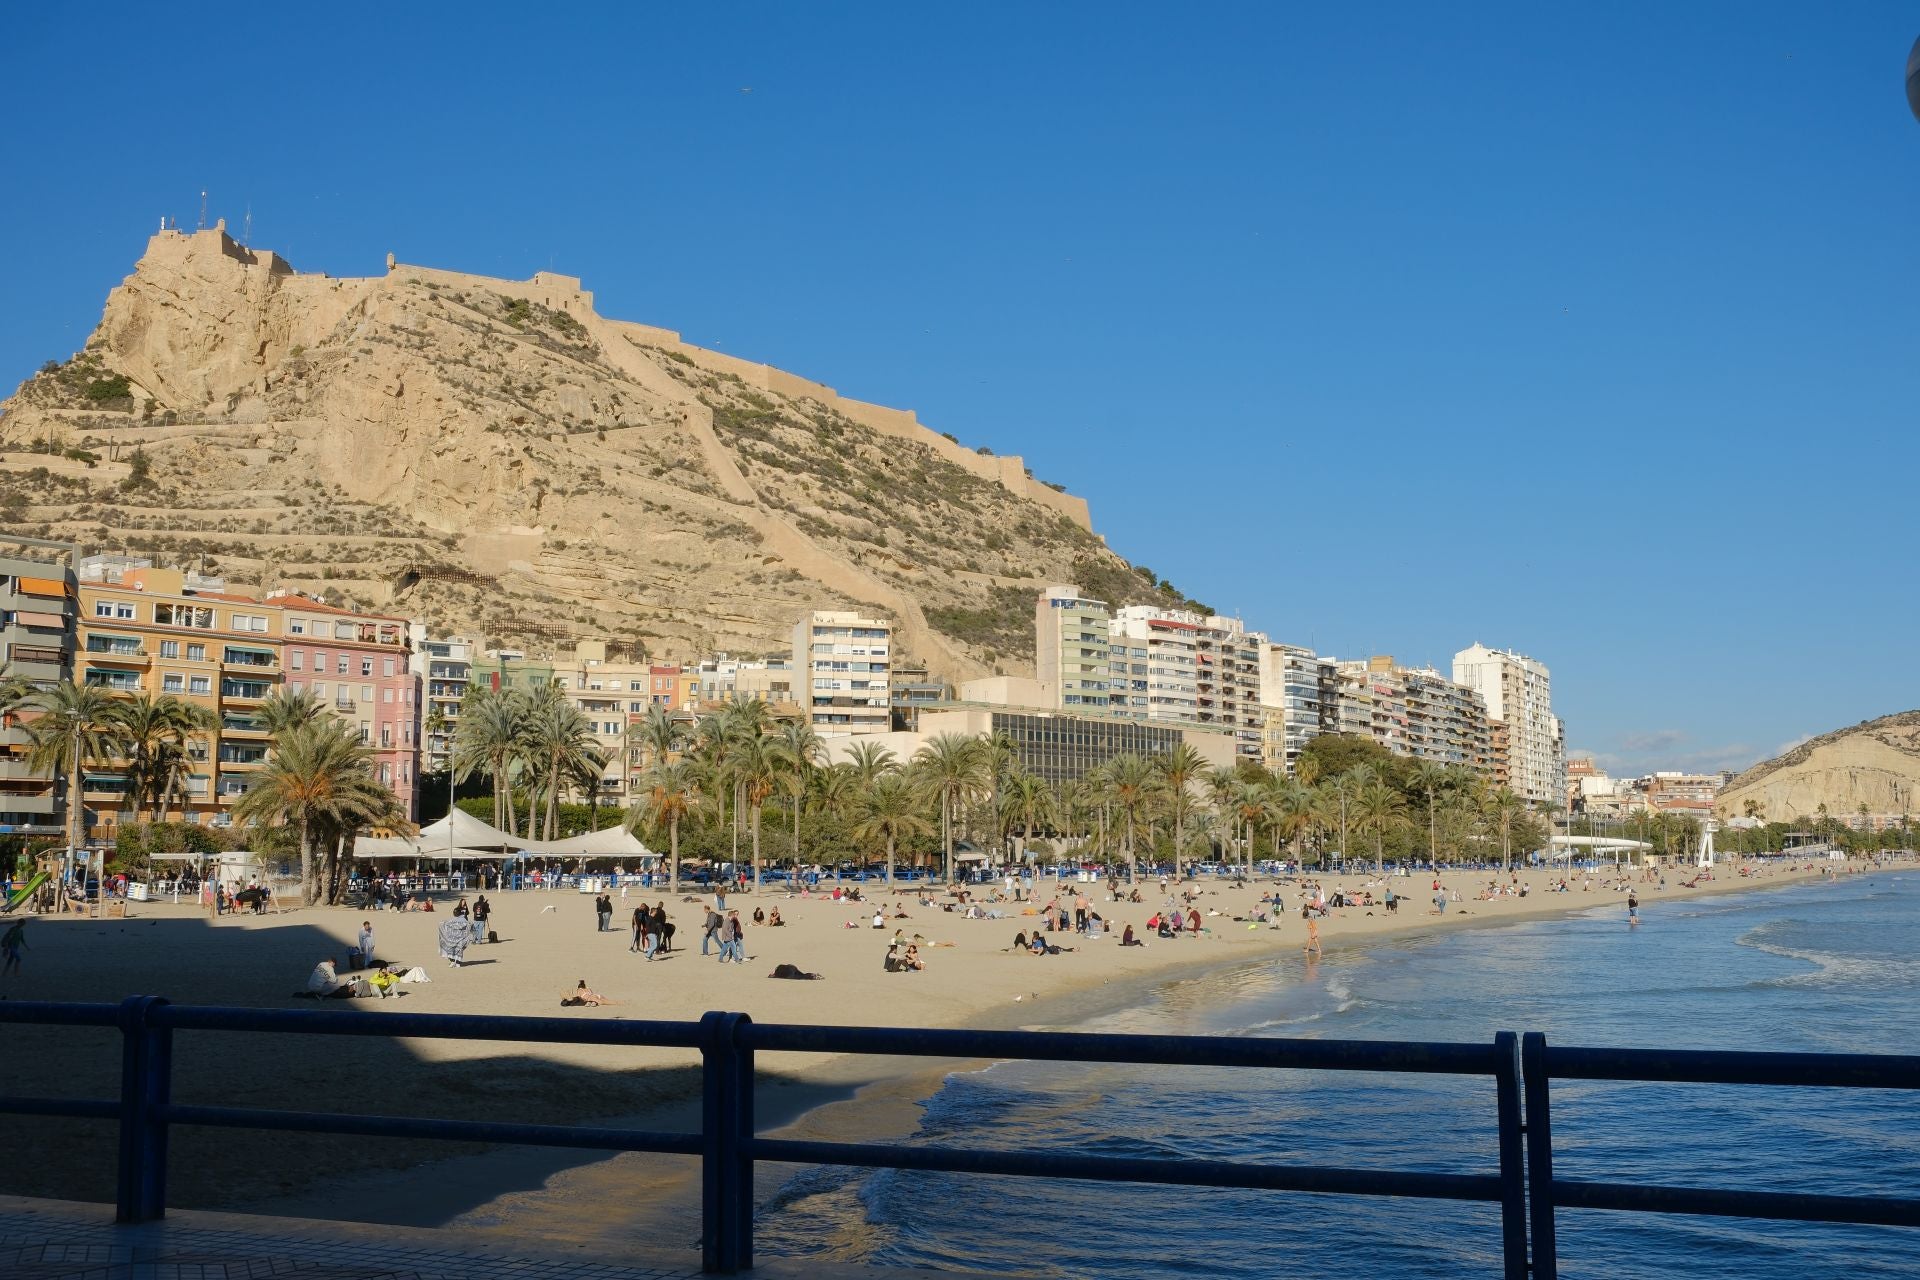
pixel 912 960
pixel 759 915
pixel 879 918
pixel 774 921
pixel 323 979
pixel 1128 940
pixel 383 980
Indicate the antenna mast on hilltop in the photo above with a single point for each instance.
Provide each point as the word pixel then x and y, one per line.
pixel 246 227
pixel 203 212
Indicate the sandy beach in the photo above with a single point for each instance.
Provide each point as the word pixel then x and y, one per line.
pixel 549 941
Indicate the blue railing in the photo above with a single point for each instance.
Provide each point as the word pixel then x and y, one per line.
pixel 1522 1182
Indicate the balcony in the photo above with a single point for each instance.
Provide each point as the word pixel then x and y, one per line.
pixel 244 690
pixel 344 704
pixel 249 659
pixel 242 726
pixel 114 684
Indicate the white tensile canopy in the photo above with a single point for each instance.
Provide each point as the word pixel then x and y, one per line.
pixel 613 842
pixel 469 832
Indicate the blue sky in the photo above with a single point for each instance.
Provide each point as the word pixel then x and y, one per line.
pixel 1589 332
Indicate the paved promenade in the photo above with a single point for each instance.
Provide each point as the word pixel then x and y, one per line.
pixel 65 1240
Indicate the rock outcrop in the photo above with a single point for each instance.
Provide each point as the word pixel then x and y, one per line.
pixel 499 459
pixel 1875 763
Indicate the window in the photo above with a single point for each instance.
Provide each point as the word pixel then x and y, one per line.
pixel 365 730
pixel 296 660
pixel 386 735
pixel 366 667
pixel 113 609
pixel 366 693
pixel 202 684
pixel 386 696
pixel 406 732
pixel 297 685
pixel 319 660
pixel 249 622
pixel 386 666
pixel 196 653
pixel 169 648
pixel 386 775
pixel 296 626
pixel 341 667
pixel 173 682
pixel 183 615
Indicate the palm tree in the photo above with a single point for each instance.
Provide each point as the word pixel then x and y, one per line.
pixel 1179 769
pixel 154 733
pixel 15 693
pixel 1290 809
pixel 659 734
pixel 892 813
pixel 1132 781
pixel 1379 808
pixel 78 724
pixel 284 710
pixel 488 738
pixel 1248 805
pixel 673 790
pixel 797 752
pixel 560 743
pixel 1032 799
pixel 869 760
pixel 952 767
pixel 1502 807
pixel 320 779
pixel 1431 778
pixel 756 774
pixel 1001 753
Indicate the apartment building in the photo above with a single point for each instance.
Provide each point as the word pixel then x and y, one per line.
pixel 914 692
pixel 1415 712
pixel 1158 649
pixel 504 669
pixel 360 666
pixel 1073 649
pixel 151 631
pixel 445 670
pixel 1518 691
pixel 614 693
pixel 842 665
pixel 1299 692
pixel 39 608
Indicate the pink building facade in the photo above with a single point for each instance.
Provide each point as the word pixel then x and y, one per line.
pixel 357 664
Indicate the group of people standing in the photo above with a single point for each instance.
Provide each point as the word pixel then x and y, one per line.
pixel 727 931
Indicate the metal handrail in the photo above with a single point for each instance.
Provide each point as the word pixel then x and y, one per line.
pixel 728 1145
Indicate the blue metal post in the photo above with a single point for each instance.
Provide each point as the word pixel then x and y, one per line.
pixel 726 1213
pixel 743 1133
pixel 146 1082
pixel 1513 1173
pixel 1533 1068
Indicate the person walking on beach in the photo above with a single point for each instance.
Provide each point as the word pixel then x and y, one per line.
pixel 663 930
pixel 711 929
pixel 736 940
pixel 12 943
pixel 1313 932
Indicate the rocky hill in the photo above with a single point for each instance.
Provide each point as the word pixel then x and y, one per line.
pixel 1875 763
pixel 497 458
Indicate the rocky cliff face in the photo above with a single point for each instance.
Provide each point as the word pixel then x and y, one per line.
pixel 497 458
pixel 1876 764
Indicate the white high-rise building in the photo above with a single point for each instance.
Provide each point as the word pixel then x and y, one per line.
pixel 1071 649
pixel 1528 737
pixel 842 663
pixel 1299 690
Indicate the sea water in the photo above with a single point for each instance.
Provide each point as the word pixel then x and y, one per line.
pixel 1823 966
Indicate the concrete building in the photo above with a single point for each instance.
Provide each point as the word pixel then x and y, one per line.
pixel 1415 712
pixel 1173 665
pixel 1060 746
pixel 842 667
pixel 445 670
pixel 1518 691
pixel 39 610
pixel 145 631
pixel 360 665
pixel 503 669
pixel 1299 691
pixel 1072 649
pixel 914 691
